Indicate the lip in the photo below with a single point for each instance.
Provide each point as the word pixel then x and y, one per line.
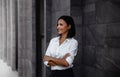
pixel 58 29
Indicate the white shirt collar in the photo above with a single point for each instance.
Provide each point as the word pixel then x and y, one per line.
pixel 65 40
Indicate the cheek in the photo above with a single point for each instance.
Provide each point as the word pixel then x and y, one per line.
pixel 66 28
pixel 60 28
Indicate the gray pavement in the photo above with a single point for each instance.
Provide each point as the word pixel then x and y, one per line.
pixel 6 71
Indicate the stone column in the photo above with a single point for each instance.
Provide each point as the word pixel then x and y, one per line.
pixel 8 23
pixel 2 52
pixel 26 38
pixel 4 21
pixel 13 25
pixel 1 29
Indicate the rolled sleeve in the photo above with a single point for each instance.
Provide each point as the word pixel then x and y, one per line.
pixel 46 63
pixel 48 53
pixel 70 60
pixel 73 52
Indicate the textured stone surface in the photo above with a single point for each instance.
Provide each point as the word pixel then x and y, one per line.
pixel 107 12
pixel 8 32
pixel 26 41
pixel 102 38
pixel 76 13
pixel 4 14
pixel 1 29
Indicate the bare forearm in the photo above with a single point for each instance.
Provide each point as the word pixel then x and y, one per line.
pixel 60 61
pixel 51 63
pixel 55 61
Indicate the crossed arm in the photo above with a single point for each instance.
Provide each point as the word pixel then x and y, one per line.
pixel 52 61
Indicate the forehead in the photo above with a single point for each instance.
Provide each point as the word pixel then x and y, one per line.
pixel 61 21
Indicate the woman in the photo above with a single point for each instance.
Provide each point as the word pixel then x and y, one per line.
pixel 62 49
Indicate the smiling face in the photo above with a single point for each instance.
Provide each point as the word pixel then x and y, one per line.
pixel 62 27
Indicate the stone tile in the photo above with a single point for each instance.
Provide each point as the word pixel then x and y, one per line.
pixel 113 42
pixel 107 12
pixel 95 34
pixel 107 59
pixel 113 30
pixel 89 56
pixel 93 72
pixel 89 17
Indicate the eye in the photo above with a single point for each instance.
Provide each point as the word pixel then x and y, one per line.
pixel 61 24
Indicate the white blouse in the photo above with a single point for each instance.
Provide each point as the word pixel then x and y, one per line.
pixel 70 45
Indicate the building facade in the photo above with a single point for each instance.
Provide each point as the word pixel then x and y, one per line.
pixel 26 27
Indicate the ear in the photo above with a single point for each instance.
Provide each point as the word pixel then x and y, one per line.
pixel 69 27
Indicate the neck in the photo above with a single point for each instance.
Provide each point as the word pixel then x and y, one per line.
pixel 63 36
pixel 62 39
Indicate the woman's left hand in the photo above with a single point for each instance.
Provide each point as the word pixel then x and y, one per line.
pixel 47 58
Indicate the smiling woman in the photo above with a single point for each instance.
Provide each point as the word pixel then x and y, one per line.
pixel 62 49
pixel 62 29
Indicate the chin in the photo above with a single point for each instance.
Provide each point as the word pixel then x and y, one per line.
pixel 59 33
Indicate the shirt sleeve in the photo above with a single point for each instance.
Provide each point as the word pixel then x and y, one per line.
pixel 73 52
pixel 46 63
pixel 48 53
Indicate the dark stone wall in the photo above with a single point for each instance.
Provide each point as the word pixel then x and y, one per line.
pixel 76 13
pixel 101 56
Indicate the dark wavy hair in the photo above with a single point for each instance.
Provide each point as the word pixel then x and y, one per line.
pixel 69 20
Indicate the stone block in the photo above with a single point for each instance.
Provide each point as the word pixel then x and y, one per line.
pixel 112 73
pixel 76 3
pixel 89 8
pixel 113 42
pixel 89 18
pixel 60 5
pixel 95 34
pixel 89 56
pixel 93 72
pixel 107 12
pixel 77 71
pixel 89 1
pixel 107 59
pixel 113 30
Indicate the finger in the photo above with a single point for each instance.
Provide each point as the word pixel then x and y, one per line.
pixel 66 55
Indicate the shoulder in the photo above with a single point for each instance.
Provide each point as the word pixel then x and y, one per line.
pixel 73 43
pixel 73 40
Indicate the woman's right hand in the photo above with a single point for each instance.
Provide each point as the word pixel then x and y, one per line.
pixel 51 63
pixel 47 58
pixel 66 55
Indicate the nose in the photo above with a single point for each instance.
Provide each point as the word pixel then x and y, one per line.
pixel 58 26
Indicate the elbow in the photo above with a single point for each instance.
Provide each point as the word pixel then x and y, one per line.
pixel 66 64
